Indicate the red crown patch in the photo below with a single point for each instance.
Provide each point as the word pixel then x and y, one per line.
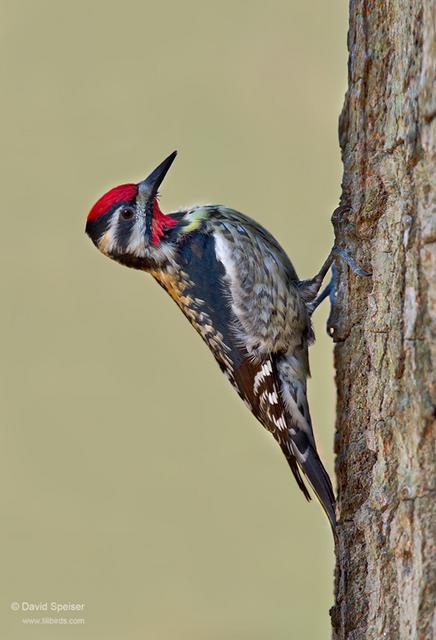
pixel 123 193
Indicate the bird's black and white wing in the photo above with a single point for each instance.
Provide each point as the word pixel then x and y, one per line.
pixel 258 329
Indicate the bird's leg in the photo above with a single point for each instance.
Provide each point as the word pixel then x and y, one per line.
pixel 329 291
pixel 310 288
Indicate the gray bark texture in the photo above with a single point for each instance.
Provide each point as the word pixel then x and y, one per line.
pixel 384 327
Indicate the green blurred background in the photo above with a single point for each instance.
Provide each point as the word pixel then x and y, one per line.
pixel 134 480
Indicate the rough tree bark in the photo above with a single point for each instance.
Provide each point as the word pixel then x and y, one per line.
pixel 384 327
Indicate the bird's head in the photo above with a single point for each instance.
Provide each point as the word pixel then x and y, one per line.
pixel 126 223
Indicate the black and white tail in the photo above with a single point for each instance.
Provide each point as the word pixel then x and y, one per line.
pixel 299 449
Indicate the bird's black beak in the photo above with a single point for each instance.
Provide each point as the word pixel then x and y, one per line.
pixel 148 187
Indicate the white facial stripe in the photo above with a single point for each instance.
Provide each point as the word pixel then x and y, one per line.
pixel 139 245
pixel 136 244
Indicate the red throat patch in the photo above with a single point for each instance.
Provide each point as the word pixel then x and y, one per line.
pixel 159 223
pixel 123 193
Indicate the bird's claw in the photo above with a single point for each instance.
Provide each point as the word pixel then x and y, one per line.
pixel 330 289
pixel 342 253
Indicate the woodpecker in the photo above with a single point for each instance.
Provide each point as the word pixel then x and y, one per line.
pixel 239 290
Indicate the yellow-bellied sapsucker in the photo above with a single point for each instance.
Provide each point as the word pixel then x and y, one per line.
pixel 239 290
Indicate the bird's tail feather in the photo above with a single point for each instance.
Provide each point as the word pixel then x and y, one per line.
pixel 312 467
pixel 319 479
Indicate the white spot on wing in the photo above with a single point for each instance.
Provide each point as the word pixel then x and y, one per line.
pixel 272 397
pixel 280 423
pixel 263 373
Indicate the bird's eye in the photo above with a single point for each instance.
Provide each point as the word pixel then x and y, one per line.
pixel 127 213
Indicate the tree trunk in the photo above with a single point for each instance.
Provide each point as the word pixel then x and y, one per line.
pixel 384 328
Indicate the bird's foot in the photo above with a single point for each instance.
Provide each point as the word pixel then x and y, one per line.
pixel 330 290
pixel 343 253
